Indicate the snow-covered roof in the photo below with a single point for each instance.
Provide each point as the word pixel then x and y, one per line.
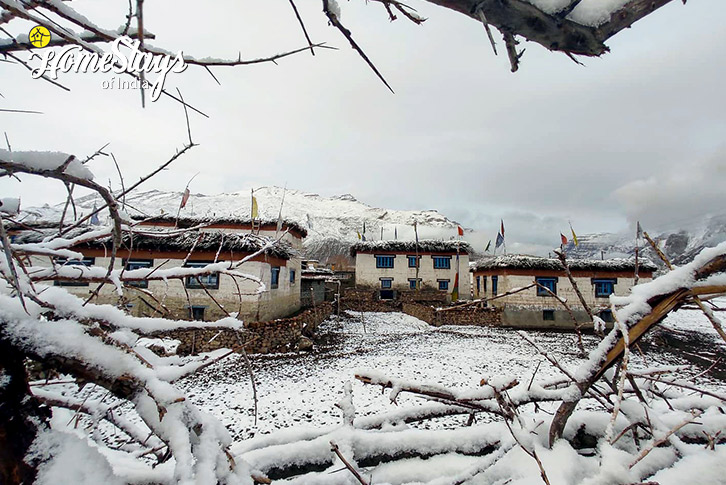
pixel 316 271
pixel 164 241
pixel 190 221
pixel 522 261
pixel 424 246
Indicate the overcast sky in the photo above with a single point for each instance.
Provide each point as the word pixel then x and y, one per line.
pixel 637 134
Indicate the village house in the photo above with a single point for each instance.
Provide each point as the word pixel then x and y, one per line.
pixel 394 266
pixel 165 243
pixel 314 280
pixel 536 306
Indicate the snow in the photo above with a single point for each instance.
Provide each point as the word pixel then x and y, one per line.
pixel 328 220
pixel 10 206
pixel 69 459
pixel 45 161
pixel 588 12
pixel 298 418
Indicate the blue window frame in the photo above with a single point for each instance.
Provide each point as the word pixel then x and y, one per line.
pixel 132 264
pixel 412 261
pixel 73 262
pixel 442 262
pixel 412 284
pixel 604 287
pixel 443 284
pixel 274 277
pixel 549 283
pixel 292 276
pixel 495 284
pixel 384 261
pixel 209 281
pixel 386 283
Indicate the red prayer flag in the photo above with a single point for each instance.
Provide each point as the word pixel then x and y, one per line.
pixel 185 198
pixel 461 231
pixel 502 231
pixel 564 239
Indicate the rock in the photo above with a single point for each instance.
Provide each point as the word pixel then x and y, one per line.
pixel 304 344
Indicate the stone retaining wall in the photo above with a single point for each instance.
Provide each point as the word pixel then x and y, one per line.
pixel 282 335
pixel 366 300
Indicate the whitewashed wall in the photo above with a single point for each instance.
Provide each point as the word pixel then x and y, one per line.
pixel 366 273
pixel 273 303
pixel 529 298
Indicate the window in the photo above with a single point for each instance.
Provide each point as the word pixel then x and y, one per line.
pixel 386 283
pixel 384 261
pixel 274 277
pixel 412 283
pixel 412 261
pixel 495 283
pixel 548 315
pixel 604 287
pixel 606 316
pixel 484 285
pixel 478 285
pixel 196 313
pixel 132 264
pixel 292 276
pixel 387 294
pixel 549 283
pixel 443 284
pixel 73 262
pixel 208 281
pixel 442 262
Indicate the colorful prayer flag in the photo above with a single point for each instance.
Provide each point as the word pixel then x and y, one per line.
pixel 185 198
pixel 255 211
pixel 455 292
pixel 574 236
pixel 563 239
pixel 639 231
pixel 502 232
pixel 461 231
pixel 94 217
pixel 489 244
pixel 500 241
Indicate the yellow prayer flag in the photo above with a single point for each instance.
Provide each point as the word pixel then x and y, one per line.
pixel 254 207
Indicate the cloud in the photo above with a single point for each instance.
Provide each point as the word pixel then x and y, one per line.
pixel 672 198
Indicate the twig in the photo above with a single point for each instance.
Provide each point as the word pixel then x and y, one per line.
pixel 334 448
pixel 694 414
pixel 336 23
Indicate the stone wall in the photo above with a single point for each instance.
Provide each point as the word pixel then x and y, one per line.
pixel 470 315
pixel 426 313
pixel 282 335
pixel 366 300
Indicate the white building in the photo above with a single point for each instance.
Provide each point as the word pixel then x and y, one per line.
pixel 535 306
pixel 393 266
pixel 157 243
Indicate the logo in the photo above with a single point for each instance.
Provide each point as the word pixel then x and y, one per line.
pixel 125 57
pixel 39 36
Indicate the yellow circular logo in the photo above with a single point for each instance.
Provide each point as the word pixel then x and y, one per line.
pixel 39 36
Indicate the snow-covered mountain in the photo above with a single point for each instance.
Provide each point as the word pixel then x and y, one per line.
pixel 680 245
pixel 333 223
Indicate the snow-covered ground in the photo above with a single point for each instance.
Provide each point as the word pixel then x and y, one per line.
pixel 302 388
